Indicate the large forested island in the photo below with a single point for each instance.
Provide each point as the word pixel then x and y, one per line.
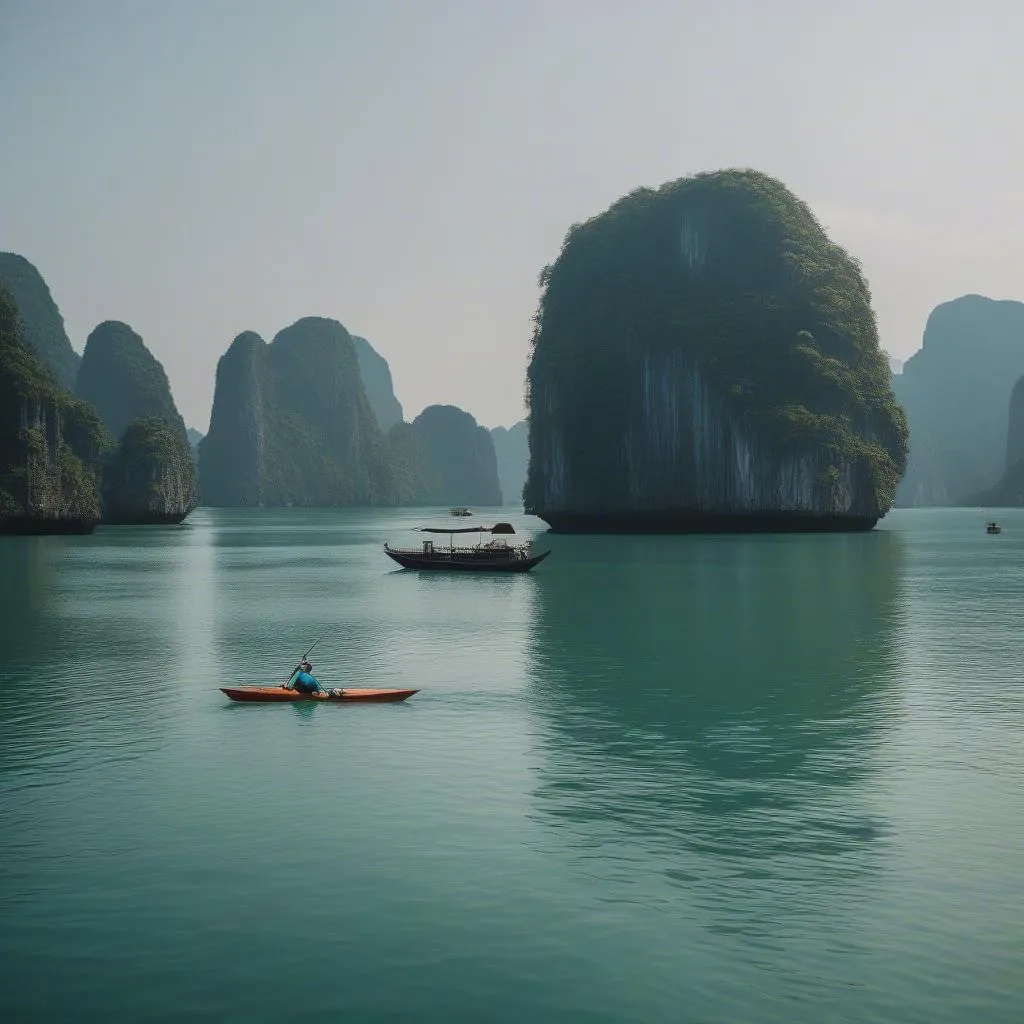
pixel 706 358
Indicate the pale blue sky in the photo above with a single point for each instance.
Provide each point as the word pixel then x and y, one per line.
pixel 202 168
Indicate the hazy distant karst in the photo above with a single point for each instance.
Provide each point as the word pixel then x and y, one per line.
pixel 380 391
pixel 956 392
pixel 706 358
pixel 1009 490
pixel 145 479
pixel 42 326
pixel 459 467
pixel 1015 429
pixel 123 380
pixel 291 424
pixel 50 442
pixel 512 451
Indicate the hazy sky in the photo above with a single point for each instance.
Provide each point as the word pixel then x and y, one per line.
pixel 202 167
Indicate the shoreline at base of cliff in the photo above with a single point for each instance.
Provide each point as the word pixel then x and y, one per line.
pixel 690 521
pixel 24 526
pixel 146 519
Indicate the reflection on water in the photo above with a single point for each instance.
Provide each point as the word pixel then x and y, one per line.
pixel 710 705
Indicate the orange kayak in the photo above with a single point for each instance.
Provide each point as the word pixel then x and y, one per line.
pixel 280 694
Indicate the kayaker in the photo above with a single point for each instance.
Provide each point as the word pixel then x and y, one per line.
pixel 304 681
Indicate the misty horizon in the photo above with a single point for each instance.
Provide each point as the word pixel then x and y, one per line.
pixel 408 171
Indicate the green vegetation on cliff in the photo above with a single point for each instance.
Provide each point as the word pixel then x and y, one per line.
pixel 50 442
pixel 151 478
pixel 705 346
pixel 123 380
pixel 291 424
pixel 42 326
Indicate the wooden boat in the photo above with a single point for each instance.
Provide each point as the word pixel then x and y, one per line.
pixel 494 556
pixel 283 695
pixel 993 528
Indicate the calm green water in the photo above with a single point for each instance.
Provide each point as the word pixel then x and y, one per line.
pixel 709 779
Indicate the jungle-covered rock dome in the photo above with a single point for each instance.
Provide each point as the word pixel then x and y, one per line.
pixel 705 357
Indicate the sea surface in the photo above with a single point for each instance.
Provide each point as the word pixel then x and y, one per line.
pixel 712 779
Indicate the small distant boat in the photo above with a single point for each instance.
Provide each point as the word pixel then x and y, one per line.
pixel 494 556
pixel 993 528
pixel 460 510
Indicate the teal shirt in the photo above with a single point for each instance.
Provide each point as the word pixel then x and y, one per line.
pixel 307 682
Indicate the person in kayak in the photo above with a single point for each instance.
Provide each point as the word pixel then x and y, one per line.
pixel 304 681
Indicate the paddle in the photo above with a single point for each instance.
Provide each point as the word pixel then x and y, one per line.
pixel 303 658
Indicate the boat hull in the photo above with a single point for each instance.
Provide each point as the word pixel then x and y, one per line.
pixel 282 695
pixel 438 562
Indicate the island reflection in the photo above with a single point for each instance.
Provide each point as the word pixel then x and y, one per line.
pixel 713 707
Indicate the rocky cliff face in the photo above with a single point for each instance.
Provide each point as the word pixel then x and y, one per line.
pixel 380 391
pixel 151 477
pixel 42 326
pixel 457 456
pixel 123 380
pixel 291 424
pixel 512 451
pixel 956 391
pixel 705 358
pixel 50 443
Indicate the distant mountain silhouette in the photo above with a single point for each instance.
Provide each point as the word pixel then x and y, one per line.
pixel 956 393
pixel 512 451
pixel 291 424
pixel 1009 491
pixel 458 456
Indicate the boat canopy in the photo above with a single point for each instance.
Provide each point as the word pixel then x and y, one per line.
pixel 496 528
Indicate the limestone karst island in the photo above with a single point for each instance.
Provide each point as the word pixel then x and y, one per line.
pixel 705 358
